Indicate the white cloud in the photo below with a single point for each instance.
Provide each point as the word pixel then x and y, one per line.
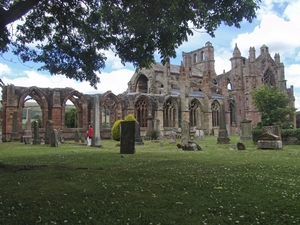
pixel 4 69
pixel 292 75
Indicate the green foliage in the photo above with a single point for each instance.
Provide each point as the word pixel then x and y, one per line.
pixel 273 106
pixel 39 122
pixel 71 120
pixel 154 134
pixel 69 35
pixel 298 119
pixel 130 117
pixel 115 130
pixel 286 133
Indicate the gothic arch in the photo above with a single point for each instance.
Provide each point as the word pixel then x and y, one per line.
pixel 142 108
pixel 269 78
pixel 141 84
pixel 170 113
pixel 195 110
pixel 111 110
pixel 215 113
pixel 36 94
pixel 79 102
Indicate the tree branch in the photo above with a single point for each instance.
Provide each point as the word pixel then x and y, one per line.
pixel 15 12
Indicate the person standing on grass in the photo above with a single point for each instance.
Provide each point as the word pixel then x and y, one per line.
pixel 89 135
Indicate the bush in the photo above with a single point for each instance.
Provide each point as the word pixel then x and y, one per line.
pixel 154 134
pixel 130 117
pixel 115 130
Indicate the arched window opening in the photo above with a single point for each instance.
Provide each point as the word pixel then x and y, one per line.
pixel 109 112
pixel 232 113
pixel 215 109
pixel 195 113
pixel 142 84
pixel 169 113
pixel 141 107
pixel 195 58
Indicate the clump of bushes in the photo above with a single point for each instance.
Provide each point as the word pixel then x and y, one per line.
pixel 154 134
pixel 115 130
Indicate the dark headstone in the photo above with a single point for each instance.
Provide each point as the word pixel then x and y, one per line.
pixel 54 140
pixel 127 137
pixel 241 146
pixel 138 139
pixel 223 135
pixel 49 127
pixel 36 135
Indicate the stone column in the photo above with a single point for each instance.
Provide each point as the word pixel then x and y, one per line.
pixel 49 127
pixel 149 126
pixel 223 135
pixel 36 135
pixel 96 142
pixel 15 133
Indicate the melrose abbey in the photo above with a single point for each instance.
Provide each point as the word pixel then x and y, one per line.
pixel 160 97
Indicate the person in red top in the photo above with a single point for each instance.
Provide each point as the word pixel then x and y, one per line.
pixel 89 135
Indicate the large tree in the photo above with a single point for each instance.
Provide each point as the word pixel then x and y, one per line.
pixel 69 36
pixel 273 106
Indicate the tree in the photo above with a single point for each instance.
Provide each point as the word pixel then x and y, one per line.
pixel 71 120
pixel 298 119
pixel 273 106
pixel 70 35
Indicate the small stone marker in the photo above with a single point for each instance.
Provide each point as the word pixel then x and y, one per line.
pixel 76 136
pixel 36 135
pixel 138 139
pixel 54 140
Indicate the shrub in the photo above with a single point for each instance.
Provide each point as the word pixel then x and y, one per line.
pixel 130 117
pixel 154 134
pixel 115 131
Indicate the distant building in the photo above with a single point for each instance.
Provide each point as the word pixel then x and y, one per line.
pixel 163 96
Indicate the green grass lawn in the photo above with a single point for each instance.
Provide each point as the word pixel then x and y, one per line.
pixel 76 184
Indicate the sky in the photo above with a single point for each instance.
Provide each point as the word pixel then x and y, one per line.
pixel 277 26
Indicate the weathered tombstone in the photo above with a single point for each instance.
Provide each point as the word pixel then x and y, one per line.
pixel 96 141
pixel 199 135
pixel 27 133
pixel 49 127
pixel 241 146
pixel 185 130
pixel 54 140
pixel 223 135
pixel 187 145
pixel 246 130
pixel 127 142
pixel 59 135
pixel 76 136
pixel 138 139
pixel 270 138
pixel 36 134
pixel 172 137
pixel 149 126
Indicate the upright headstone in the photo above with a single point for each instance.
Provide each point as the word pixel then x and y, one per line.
pixel 149 126
pixel 172 136
pixel 49 127
pixel 127 142
pixel 76 136
pixel 96 142
pixel 185 130
pixel 223 135
pixel 246 130
pixel 54 141
pixel 138 139
pixel 27 134
pixel 36 134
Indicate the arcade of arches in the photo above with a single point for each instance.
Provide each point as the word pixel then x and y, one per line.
pixel 160 97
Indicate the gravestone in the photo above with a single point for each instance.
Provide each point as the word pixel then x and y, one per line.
pixel 199 135
pixel 241 146
pixel 76 136
pixel 270 138
pixel 149 126
pixel 54 140
pixel 185 130
pixel 49 127
pixel 127 142
pixel 223 135
pixel 172 137
pixel 36 134
pixel 96 141
pixel 188 145
pixel 246 130
pixel 27 133
pixel 138 139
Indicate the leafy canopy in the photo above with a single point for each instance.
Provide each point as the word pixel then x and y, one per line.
pixel 273 106
pixel 70 36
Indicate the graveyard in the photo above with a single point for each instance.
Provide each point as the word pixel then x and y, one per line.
pixel 160 183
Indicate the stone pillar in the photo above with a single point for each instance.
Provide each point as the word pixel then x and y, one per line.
pixel 54 140
pixel 223 135
pixel 246 130
pixel 185 130
pixel 127 142
pixel 96 142
pixel 149 126
pixel 27 134
pixel 76 135
pixel 36 134
pixel 15 133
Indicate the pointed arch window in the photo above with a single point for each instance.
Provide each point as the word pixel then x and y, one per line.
pixel 141 107
pixel 269 78
pixel 109 112
pixel 195 113
pixel 232 113
pixel 169 113
pixel 215 111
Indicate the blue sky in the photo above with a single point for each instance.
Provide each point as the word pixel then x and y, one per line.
pixel 277 26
